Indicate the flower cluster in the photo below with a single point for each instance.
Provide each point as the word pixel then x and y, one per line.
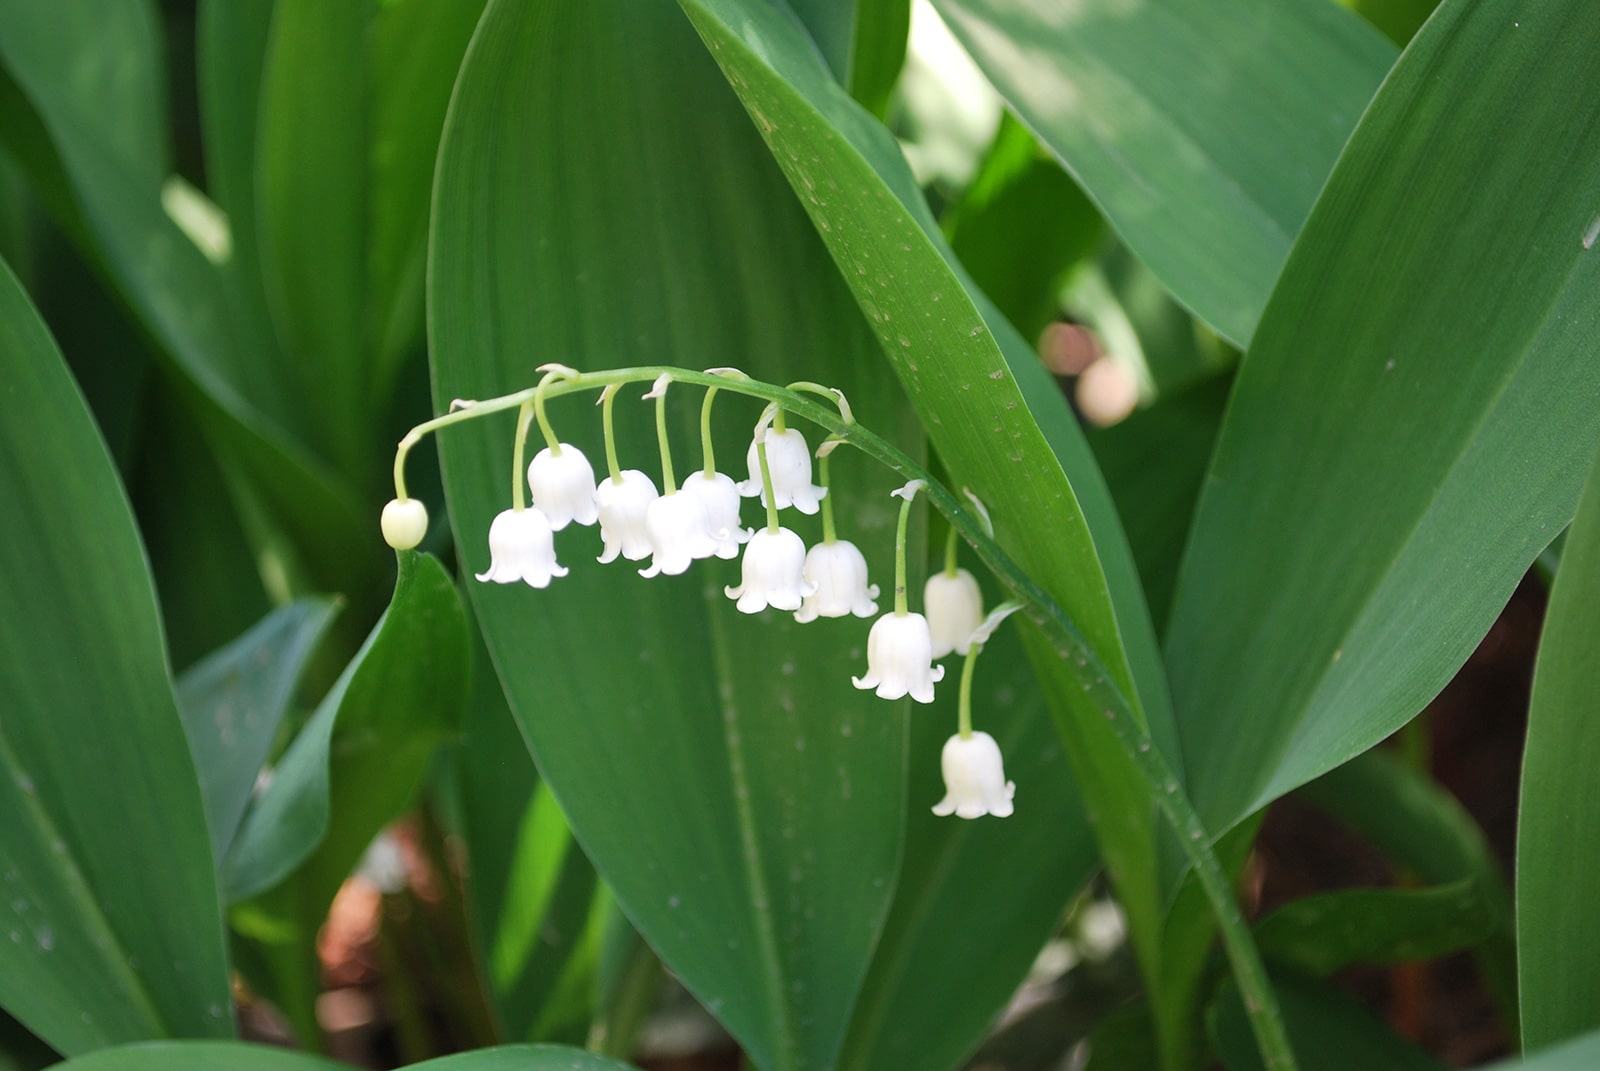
pixel 677 525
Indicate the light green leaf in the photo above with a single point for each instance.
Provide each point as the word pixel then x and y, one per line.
pixel 765 791
pixel 109 906
pixel 1204 131
pixel 1326 933
pixel 233 700
pixel 360 757
pixel 1558 825
pixel 1409 428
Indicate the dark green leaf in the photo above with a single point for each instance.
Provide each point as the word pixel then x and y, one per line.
pixel 1202 130
pixel 1558 826
pixel 1331 1032
pixel 1326 933
pixel 233 700
pixel 1409 428
pixel 109 906
pixel 766 792
pixel 238 1056
pixel 360 757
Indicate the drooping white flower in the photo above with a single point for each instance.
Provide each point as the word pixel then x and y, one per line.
pixel 678 533
pixel 974 778
pixel 773 573
pixel 521 547
pixel 955 607
pixel 623 504
pixel 839 572
pixel 720 495
pixel 562 485
pixel 900 658
pixel 789 459
pixel 404 523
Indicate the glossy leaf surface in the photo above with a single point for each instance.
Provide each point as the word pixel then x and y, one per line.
pixel 1203 131
pixel 110 913
pixel 1410 426
pixel 601 201
pixel 1558 825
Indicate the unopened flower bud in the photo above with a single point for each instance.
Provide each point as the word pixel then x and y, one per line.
pixel 404 523
pixel 955 607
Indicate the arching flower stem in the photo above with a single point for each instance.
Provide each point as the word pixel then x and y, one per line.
pixel 766 471
pixel 707 449
pixel 669 485
pixel 829 536
pixel 908 493
pixel 554 372
pixel 519 500
pixel 607 396
pixel 964 708
pixel 952 541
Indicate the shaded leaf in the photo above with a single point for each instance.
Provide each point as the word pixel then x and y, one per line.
pixel 1328 932
pixel 1330 1031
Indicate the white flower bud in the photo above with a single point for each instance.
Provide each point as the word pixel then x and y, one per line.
pixel 623 504
pixel 562 485
pixel 839 572
pixel 521 547
pixel 404 523
pixel 974 778
pixel 720 496
pixel 900 658
pixel 773 572
pixel 955 607
pixel 678 533
pixel 789 461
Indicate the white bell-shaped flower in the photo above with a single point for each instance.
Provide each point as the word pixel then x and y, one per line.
pixel 678 533
pixel 720 495
pixel 900 658
pixel 974 778
pixel 623 504
pixel 839 572
pixel 954 606
pixel 562 485
pixel 521 547
pixel 404 523
pixel 773 572
pixel 789 459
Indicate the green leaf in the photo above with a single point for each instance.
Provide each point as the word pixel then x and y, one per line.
pixel 1203 131
pixel 1326 933
pixel 1331 1031
pixel 111 197
pixel 233 700
pixel 878 51
pixel 766 791
pixel 1020 226
pixel 360 89
pixel 241 1056
pixel 1558 825
pixel 360 757
pixel 996 417
pixel 1426 831
pixel 964 909
pixel 1409 428
pixel 110 904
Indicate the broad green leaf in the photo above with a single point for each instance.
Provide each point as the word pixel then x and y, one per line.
pixel 1410 425
pixel 1204 131
pixel 1326 933
pixel 1331 1031
pixel 111 198
pixel 1558 825
pixel 241 1056
pixel 967 921
pixel 109 902
pixel 878 51
pixel 360 757
pixel 353 97
pixel 995 416
pixel 1398 19
pixel 602 201
pixel 233 700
